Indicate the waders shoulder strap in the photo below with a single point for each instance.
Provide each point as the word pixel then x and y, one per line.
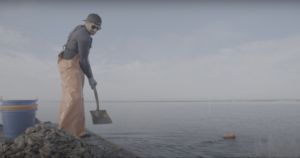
pixel 91 42
pixel 70 34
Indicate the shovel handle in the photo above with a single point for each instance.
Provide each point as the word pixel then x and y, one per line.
pixel 96 96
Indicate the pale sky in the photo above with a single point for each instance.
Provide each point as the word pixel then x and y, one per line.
pixel 156 50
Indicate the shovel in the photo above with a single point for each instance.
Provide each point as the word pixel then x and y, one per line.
pixel 99 116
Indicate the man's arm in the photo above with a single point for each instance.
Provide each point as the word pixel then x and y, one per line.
pixel 83 51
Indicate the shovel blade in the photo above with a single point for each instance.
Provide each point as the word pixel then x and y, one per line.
pixel 102 118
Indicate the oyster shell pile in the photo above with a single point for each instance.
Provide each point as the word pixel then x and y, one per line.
pixel 45 141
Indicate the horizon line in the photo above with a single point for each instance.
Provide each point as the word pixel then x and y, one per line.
pixel 207 100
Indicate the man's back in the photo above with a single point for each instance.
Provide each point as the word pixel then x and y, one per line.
pixel 79 42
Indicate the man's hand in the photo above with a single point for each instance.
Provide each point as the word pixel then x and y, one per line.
pixel 92 82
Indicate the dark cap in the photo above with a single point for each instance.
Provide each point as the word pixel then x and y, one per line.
pixel 94 18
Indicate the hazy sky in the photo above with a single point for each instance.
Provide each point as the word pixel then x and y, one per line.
pixel 156 50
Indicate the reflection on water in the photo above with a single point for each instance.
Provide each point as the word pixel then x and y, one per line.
pixel 182 129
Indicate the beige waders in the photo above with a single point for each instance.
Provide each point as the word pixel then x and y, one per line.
pixel 71 112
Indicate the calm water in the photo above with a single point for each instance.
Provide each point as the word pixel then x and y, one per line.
pixel 183 129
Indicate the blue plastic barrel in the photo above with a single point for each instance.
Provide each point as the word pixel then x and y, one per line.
pixel 16 122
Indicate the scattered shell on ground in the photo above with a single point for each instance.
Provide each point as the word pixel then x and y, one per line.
pixel 46 141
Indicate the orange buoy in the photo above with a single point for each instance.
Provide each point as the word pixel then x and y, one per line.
pixel 229 135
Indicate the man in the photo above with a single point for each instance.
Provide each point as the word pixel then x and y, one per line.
pixel 73 64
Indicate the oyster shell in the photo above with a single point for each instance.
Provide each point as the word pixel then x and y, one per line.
pixel 31 141
pixel 21 144
pixel 29 130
